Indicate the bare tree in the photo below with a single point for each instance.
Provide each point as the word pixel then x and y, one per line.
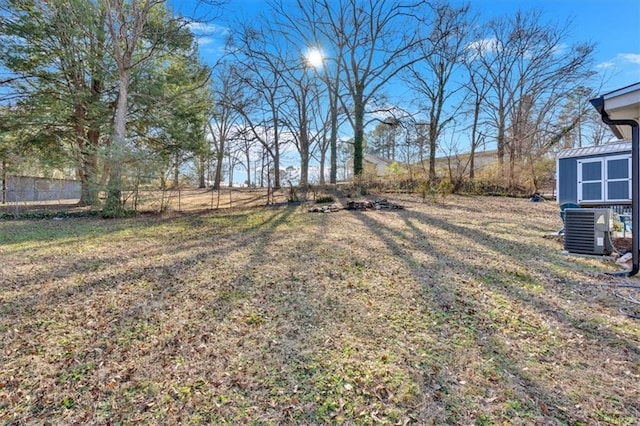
pixel 477 88
pixel 300 110
pixel 529 69
pixel 259 68
pixel 580 123
pixel 225 117
pixel 304 25
pixel 325 142
pixel 442 52
pixel 307 120
pixel 299 121
pixel 593 130
pixel 245 145
pixel 376 40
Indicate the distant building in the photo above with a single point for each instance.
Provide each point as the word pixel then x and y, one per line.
pixel 373 166
pixel 460 162
pixel 26 188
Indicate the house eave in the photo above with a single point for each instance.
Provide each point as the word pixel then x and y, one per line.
pixel 619 105
pixel 620 110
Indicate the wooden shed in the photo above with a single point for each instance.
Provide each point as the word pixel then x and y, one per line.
pixel 595 175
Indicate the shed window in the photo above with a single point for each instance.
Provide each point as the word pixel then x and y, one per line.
pixel 604 179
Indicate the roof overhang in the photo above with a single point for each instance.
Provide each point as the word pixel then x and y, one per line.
pixel 621 104
pixel 620 110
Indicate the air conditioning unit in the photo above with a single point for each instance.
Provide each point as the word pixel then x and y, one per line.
pixel 588 231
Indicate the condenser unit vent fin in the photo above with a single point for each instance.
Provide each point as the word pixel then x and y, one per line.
pixel 588 231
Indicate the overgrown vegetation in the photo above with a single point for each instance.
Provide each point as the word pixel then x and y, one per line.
pixel 328 198
pixel 441 313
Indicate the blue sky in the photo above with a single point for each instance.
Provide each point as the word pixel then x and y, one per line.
pixel 614 25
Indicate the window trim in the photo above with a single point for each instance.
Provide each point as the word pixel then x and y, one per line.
pixel 604 187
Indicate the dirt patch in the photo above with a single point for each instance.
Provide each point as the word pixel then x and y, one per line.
pixel 622 244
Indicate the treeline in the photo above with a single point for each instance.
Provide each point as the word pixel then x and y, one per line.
pixel 109 89
pixel 116 92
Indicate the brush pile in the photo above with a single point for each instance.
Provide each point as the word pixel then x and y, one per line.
pixel 382 204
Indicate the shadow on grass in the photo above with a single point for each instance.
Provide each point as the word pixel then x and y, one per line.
pixel 231 320
pixel 460 306
pixel 62 267
pixel 86 320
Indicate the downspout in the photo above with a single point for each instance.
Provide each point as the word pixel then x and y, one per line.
pixel 598 103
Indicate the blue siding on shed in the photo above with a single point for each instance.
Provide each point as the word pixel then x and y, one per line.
pixel 568 180
pixel 567 175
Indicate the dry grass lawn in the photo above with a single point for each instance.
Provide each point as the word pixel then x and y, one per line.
pixel 448 312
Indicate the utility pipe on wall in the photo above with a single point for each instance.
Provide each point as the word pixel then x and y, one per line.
pixel 598 103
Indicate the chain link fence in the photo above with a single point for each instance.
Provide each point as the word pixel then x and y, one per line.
pixel 51 202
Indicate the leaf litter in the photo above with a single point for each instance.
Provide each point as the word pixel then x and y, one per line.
pixel 442 312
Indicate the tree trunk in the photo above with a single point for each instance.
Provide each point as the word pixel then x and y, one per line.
pixel 82 144
pixel 432 152
pixel 91 161
pixel 113 206
pixel 217 180
pixel 304 169
pixel 4 180
pixel 534 178
pixel 304 152
pixel 512 165
pixel 358 136
pixel 176 172
pixel 501 138
pixel 88 181
pixel 201 172
pixel 333 174
pixel 231 167
pixel 500 148
pixel 323 158
pixel 262 168
pixel 248 159
pixel 276 167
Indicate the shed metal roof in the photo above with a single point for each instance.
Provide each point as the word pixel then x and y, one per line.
pixel 595 150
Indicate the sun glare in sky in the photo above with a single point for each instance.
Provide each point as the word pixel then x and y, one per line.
pixel 315 58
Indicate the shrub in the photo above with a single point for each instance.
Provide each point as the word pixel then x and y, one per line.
pixel 325 199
